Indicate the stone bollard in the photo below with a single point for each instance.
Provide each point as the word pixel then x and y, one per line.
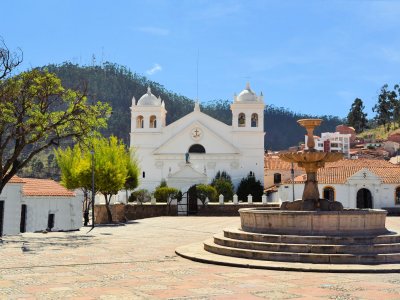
pixel 221 199
pixel 153 201
pixel 264 199
pixel 235 199
pixel 249 199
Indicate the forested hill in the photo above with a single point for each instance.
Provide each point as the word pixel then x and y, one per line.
pixel 117 85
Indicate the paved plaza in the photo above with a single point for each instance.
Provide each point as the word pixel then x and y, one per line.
pixel 138 261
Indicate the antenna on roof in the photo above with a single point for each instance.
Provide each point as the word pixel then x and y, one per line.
pixel 197 75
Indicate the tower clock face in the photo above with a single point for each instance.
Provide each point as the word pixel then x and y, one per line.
pixel 196 133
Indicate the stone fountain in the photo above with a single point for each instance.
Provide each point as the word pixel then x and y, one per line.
pixel 310 232
pixel 311 160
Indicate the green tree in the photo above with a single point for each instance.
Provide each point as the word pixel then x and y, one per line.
pixel 356 117
pixel 114 167
pixel 384 107
pixel 140 196
pixel 223 184
pixel 37 112
pixel 250 186
pixel 205 191
pixel 73 167
pixel 396 104
pixel 132 179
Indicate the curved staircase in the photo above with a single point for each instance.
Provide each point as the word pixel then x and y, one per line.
pixel 307 249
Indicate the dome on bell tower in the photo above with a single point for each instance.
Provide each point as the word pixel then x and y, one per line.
pixel 248 95
pixel 149 99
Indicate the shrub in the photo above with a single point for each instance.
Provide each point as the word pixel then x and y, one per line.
pixel 163 183
pixel 166 194
pixel 205 191
pixel 140 196
pixel 223 184
pixel 221 175
pixel 225 188
pixel 250 185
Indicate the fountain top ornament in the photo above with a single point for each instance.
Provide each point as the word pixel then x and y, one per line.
pixel 311 160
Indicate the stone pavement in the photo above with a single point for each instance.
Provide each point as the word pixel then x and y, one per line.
pixel 137 261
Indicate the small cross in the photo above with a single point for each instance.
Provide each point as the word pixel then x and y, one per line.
pixel 365 174
pixel 196 133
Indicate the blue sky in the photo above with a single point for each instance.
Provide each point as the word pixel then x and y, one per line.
pixel 309 56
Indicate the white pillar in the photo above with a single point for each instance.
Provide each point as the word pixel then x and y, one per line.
pixel 235 199
pixel 153 200
pixel 249 199
pixel 221 199
pixel 264 199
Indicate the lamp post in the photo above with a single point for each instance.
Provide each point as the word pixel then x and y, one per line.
pixel 93 194
pixel 292 172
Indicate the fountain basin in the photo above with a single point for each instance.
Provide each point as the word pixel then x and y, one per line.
pixel 357 222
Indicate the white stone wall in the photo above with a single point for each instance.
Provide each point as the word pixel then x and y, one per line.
pixel 67 210
pixel 11 195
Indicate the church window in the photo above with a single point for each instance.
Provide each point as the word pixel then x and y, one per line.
pixel 397 196
pixel 153 122
pixel 329 193
pixel 254 120
pixel 139 122
pixel 242 120
pixel 197 148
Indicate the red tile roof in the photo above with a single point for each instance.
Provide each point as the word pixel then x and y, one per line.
pixel 339 172
pixel 44 187
pixel 16 179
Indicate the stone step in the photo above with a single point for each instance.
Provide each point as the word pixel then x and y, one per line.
pixel 221 240
pixel 317 258
pixel 238 234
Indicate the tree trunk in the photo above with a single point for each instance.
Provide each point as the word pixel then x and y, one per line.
pixel 85 209
pixel 109 214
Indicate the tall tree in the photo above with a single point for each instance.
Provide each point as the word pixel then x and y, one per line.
pixel 114 167
pixel 384 108
pixel 37 112
pixel 74 174
pixel 395 98
pixel 356 117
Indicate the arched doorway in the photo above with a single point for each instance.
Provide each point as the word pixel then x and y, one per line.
pixel 329 193
pixel 192 200
pixel 364 198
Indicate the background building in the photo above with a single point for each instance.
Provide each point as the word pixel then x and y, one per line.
pixel 29 205
pixel 332 142
pixel 356 183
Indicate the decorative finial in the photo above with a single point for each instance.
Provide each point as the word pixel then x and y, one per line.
pixel 248 85
pixel 149 90
pixel 133 101
pixel 196 106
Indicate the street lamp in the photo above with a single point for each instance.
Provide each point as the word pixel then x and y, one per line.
pixel 292 172
pixel 93 194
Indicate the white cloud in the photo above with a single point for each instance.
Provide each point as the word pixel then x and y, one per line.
pixel 154 30
pixel 218 10
pixel 156 68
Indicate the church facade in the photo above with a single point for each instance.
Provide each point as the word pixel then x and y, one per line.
pixel 194 148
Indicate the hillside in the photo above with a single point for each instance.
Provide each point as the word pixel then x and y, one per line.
pixel 117 85
pixel 378 132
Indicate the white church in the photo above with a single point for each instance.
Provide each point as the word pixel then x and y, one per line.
pixel 194 148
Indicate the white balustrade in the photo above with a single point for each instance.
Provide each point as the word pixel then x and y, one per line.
pixel 221 199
